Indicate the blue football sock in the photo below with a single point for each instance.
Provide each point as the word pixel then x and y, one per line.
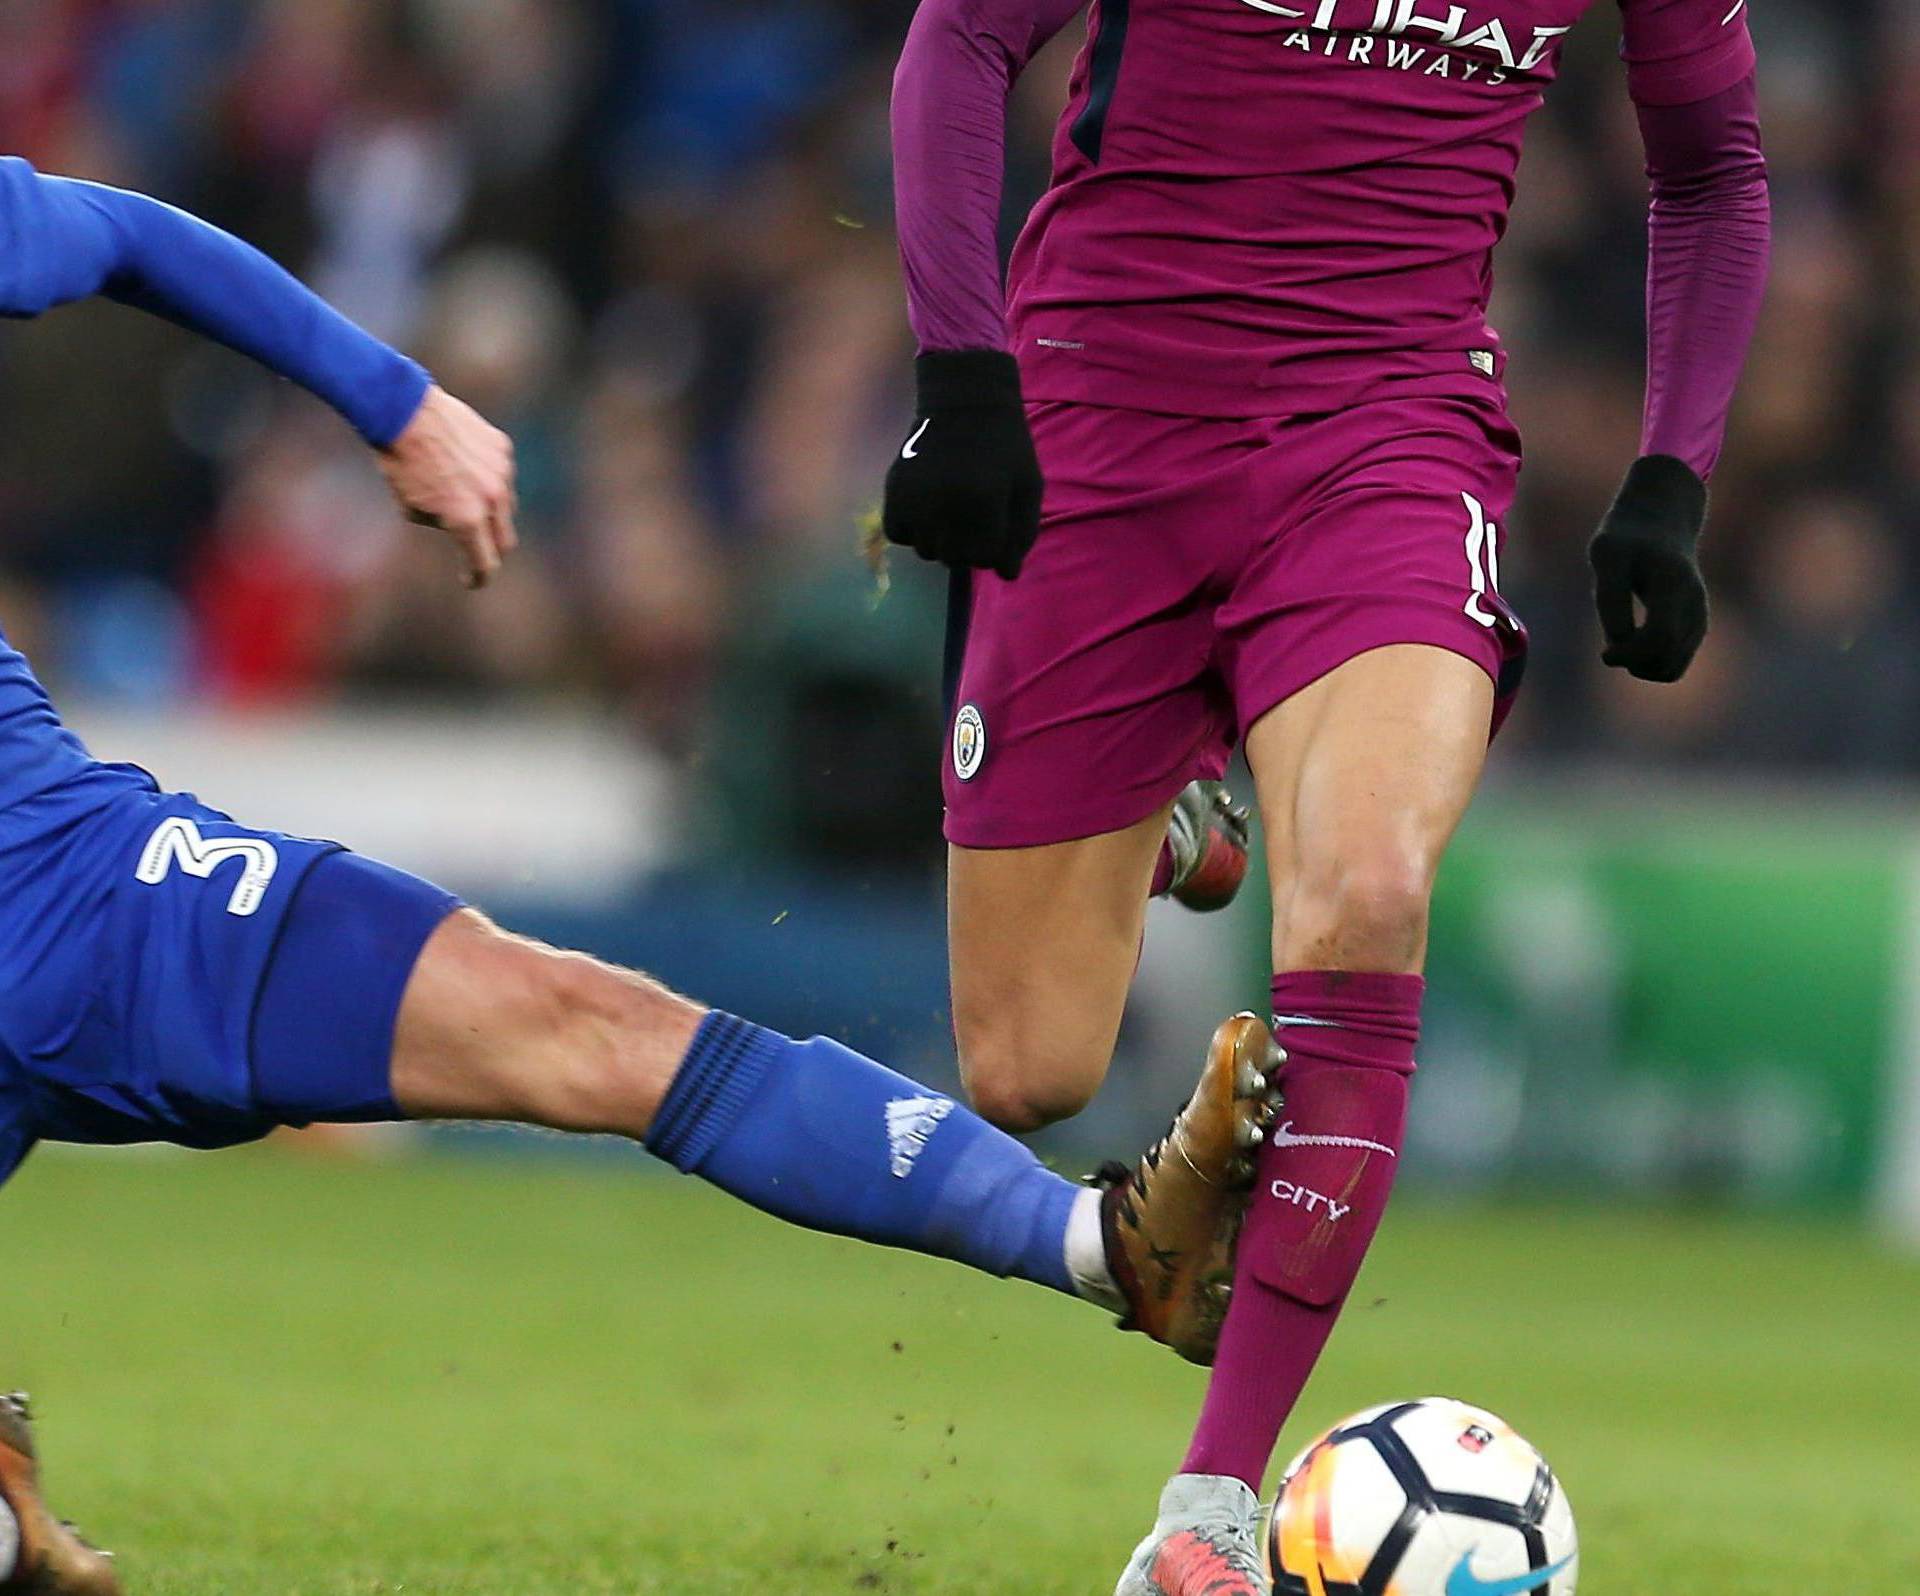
pixel 817 1134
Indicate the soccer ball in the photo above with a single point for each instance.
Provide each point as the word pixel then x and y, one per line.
pixel 1428 1498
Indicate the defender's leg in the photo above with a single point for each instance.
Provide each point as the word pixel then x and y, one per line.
pixel 495 1026
pixel 39 1555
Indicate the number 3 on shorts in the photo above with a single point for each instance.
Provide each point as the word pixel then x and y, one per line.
pixel 1483 561
pixel 177 841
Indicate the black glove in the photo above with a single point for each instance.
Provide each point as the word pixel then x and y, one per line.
pixel 1645 550
pixel 966 486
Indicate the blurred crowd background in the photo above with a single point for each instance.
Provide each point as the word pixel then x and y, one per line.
pixel 651 238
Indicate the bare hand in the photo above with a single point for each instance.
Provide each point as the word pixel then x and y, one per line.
pixel 453 470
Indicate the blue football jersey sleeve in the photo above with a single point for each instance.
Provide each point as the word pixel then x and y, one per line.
pixel 62 240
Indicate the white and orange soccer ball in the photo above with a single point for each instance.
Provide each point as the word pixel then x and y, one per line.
pixel 1428 1498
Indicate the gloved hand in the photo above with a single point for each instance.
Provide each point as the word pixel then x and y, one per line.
pixel 965 489
pixel 1645 550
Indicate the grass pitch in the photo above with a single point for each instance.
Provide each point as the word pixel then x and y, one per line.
pixel 262 1374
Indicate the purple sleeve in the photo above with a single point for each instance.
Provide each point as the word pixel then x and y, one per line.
pixel 1709 230
pixel 1679 51
pixel 949 155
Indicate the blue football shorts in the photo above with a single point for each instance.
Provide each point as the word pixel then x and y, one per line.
pixel 169 975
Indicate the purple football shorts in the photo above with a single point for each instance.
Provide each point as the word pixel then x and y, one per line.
pixel 1192 573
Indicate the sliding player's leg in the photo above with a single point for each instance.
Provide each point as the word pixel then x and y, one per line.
pixel 40 1555
pixel 232 980
pixel 497 1027
pixel 433 1012
pixel 1362 777
pixel 224 980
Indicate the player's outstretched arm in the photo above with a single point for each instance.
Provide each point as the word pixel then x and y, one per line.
pixel 1691 71
pixel 965 488
pixel 63 240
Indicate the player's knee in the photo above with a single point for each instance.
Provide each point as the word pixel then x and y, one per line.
pixel 1361 910
pixel 1022 1106
pixel 1022 1089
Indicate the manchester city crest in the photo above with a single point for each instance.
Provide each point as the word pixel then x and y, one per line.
pixel 969 742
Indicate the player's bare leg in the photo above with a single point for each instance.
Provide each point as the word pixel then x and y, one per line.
pixel 1362 779
pixel 1036 1016
pixel 1036 1010
pixel 1043 943
pixel 39 1555
pixel 497 1026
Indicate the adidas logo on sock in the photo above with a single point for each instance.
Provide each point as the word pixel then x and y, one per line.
pixel 911 1122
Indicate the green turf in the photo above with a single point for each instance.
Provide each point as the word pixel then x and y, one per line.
pixel 261 1374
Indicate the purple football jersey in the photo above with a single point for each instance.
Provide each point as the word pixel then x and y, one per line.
pixel 1263 208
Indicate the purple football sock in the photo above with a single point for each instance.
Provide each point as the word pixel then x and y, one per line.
pixel 1324 1177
